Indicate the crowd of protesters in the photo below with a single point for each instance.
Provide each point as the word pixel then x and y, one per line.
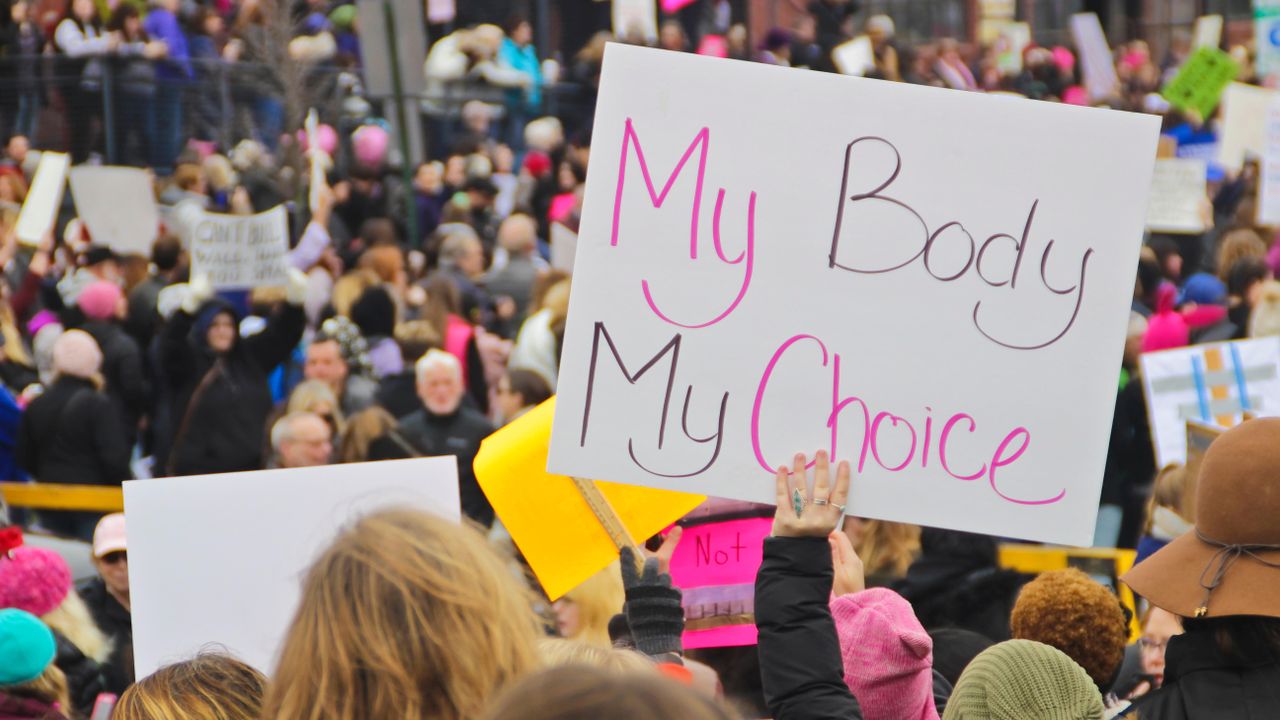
pixel 388 345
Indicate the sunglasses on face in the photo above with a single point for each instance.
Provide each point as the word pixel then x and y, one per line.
pixel 116 557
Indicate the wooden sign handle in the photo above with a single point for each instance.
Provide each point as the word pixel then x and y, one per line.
pixel 608 518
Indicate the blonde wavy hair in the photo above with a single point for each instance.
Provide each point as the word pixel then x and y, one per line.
pixel 348 288
pixel 405 615
pixel 557 652
pixel 361 430
pixel 72 619
pixel 310 394
pixel 599 598
pixel 50 688
pixel 210 686
pixel 888 548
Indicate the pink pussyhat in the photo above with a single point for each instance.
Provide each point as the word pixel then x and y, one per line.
pixel 1166 329
pixel 888 657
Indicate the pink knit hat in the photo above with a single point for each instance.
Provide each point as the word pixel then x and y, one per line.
pixel 888 657
pixel 33 579
pixel 1166 329
pixel 99 300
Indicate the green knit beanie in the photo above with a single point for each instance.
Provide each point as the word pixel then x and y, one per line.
pixel 1020 679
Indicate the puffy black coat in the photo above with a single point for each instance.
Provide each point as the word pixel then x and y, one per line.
pixel 116 623
pixel 70 435
pixel 123 369
pixel 220 403
pixel 84 675
pixel 1202 683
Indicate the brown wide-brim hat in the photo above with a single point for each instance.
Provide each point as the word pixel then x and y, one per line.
pixel 1229 564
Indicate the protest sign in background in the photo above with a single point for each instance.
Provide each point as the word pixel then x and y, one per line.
pixel 220 558
pixel 1213 384
pixel 931 284
pixel 241 251
pixel 1269 169
pixel 119 206
pixel 1095 56
pixel 1177 196
pixel 1244 120
pixel 1199 84
pixel 40 209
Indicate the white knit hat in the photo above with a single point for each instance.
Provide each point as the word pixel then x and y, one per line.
pixel 76 353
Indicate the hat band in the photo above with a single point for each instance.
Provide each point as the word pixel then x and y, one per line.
pixel 1226 555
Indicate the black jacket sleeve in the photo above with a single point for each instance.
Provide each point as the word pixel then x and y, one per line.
pixel 108 439
pixel 800 664
pixel 273 345
pixel 177 356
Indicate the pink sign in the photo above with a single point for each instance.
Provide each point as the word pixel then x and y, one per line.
pixel 715 565
pixel 670 6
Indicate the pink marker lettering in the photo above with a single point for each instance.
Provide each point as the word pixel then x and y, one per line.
pixel 764 383
pixel 998 460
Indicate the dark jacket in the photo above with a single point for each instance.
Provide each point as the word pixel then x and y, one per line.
pixel 123 370
pixel 20 708
pixel 70 435
pixel 1200 682
pixel 84 675
pixel 398 394
pixel 800 663
pixel 458 434
pixel 220 404
pixel 116 623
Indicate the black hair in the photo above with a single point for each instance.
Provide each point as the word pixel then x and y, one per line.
pixel 1245 272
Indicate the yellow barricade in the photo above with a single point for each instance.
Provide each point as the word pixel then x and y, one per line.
pixel 1107 562
pixel 51 496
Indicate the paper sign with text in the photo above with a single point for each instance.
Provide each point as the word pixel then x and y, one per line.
pixel 1269 171
pixel 1177 196
pixel 1207 32
pixel 1200 82
pixel 1266 33
pixel 1244 123
pixel 911 278
pixel 119 206
pixel 40 210
pixel 242 251
pixel 1214 384
pixel 715 566
pixel 1095 56
pixel 564 247
pixel 220 558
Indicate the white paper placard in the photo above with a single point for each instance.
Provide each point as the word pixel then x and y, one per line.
pixel 1177 194
pixel 1244 119
pixel 855 57
pixel 564 247
pixel 635 16
pixel 1269 180
pixel 220 558
pixel 119 206
pixel 1207 32
pixel 1100 78
pixel 241 251
pixel 1210 383
pixel 726 308
pixel 40 210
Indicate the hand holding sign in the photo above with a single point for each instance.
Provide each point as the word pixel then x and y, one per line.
pixel 802 513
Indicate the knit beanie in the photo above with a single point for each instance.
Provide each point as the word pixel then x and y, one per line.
pixel 27 647
pixel 1165 328
pixel 76 353
pixel 888 657
pixel 1203 289
pixel 99 300
pixel 32 579
pixel 1070 611
pixel 1023 679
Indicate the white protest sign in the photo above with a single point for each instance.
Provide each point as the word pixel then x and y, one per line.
pixel 912 278
pixel 1244 120
pixel 1100 78
pixel 855 57
pixel 1266 31
pixel 119 206
pixel 564 247
pixel 1214 384
pixel 1207 32
pixel 220 558
pixel 1269 181
pixel 635 18
pixel 40 210
pixel 1177 195
pixel 241 251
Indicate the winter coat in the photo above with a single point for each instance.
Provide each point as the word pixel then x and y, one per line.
pixel 457 434
pixel 1201 683
pixel 123 369
pixel 116 623
pixel 801 669
pixel 71 435
pixel 84 675
pixel 221 403
pixel 20 708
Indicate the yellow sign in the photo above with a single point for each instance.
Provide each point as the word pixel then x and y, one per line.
pixel 549 519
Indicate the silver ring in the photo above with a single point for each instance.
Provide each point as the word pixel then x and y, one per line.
pixel 820 501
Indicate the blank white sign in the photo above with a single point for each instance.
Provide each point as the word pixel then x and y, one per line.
pixel 219 559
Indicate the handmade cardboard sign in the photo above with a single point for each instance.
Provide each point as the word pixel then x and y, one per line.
pixel 715 566
pixel 1177 196
pixel 219 559
pixel 241 251
pixel 1200 82
pixel 1269 172
pixel 1099 69
pixel 40 210
pixel 1244 123
pixel 119 206
pixel 1214 384
pixel 913 279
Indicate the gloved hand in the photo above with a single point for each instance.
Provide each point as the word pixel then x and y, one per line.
pixel 652 607
pixel 171 298
pixel 198 291
pixel 296 289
